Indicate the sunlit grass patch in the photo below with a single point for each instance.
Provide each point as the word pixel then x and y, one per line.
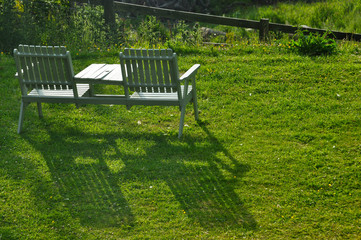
pixel 275 154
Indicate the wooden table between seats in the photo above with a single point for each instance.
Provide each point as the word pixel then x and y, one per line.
pixel 96 73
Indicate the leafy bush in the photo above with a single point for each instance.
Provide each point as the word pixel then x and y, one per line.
pixel 185 34
pixel 33 22
pixel 87 26
pixel 57 22
pixel 152 30
pixel 10 23
pixel 313 44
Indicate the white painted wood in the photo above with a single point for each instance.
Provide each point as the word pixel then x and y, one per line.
pixel 45 74
pixel 150 77
pixel 154 79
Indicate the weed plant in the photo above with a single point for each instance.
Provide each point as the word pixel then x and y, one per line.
pixel 313 44
pixel 152 31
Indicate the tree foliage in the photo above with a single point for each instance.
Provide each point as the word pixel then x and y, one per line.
pixel 32 21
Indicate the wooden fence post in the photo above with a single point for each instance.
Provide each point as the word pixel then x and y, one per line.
pixel 264 29
pixel 109 14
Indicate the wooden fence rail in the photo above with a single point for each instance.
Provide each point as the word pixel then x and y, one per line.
pixel 335 34
pixel 264 26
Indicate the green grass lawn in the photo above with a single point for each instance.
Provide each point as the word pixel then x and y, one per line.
pixel 276 155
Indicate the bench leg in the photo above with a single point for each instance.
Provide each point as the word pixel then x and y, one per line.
pixel 181 123
pixel 91 90
pixel 21 116
pixel 195 104
pixel 40 110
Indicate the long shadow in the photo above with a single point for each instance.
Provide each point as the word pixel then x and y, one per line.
pixel 88 187
pixel 216 202
pixel 201 173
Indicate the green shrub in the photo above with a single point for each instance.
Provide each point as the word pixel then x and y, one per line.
pixel 87 26
pixel 313 44
pixel 10 25
pixel 152 30
pixel 182 33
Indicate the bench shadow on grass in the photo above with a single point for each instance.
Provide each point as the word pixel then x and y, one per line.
pixel 88 189
pixel 201 174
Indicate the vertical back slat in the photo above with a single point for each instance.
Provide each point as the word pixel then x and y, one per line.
pixel 128 64
pixel 140 66
pixel 135 70
pixel 29 66
pixel 66 71
pixel 69 71
pixel 171 77
pixel 47 66
pixel 20 72
pixel 158 64
pixel 23 66
pixel 41 67
pixel 147 72
pixel 53 66
pixel 153 70
pixel 60 69
pixel 175 73
pixel 24 62
pixel 164 53
pixel 35 67
pixel 125 73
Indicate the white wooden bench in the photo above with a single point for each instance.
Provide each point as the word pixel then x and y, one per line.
pixel 45 74
pixel 149 77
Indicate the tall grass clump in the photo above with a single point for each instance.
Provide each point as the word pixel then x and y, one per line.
pixel 313 44
pixel 88 26
pixel 152 32
pixel 329 14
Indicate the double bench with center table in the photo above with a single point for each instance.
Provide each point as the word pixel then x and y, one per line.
pixel 149 77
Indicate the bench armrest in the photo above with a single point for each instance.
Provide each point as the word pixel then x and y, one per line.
pixel 190 73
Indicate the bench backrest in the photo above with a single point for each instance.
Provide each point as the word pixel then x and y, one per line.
pixel 43 67
pixel 153 70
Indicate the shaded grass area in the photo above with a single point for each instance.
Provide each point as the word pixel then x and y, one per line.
pixel 276 155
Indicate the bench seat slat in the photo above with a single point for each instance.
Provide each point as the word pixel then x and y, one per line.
pixel 82 89
pixel 160 95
